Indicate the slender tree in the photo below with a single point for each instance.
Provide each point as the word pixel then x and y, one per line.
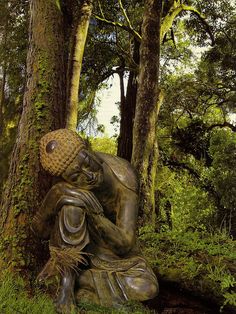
pixel 145 151
pixel 78 44
pixel 127 109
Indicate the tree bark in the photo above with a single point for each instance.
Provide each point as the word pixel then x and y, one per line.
pixel 2 99
pixel 145 150
pixel 78 47
pixel 43 110
pixel 4 69
pixel 127 111
pixel 125 140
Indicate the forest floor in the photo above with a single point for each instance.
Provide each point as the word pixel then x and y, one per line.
pixel 196 272
pixel 172 299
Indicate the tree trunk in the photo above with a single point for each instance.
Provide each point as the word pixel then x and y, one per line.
pixel 145 151
pixel 4 69
pixel 2 99
pixel 78 46
pixel 127 111
pixel 43 110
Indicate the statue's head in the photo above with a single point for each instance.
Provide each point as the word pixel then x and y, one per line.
pixel 64 153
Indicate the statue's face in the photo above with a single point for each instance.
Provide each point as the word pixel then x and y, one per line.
pixel 85 171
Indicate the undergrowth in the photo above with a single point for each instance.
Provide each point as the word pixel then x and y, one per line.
pixel 129 307
pixel 14 298
pixel 202 263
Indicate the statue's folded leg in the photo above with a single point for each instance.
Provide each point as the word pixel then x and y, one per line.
pixel 68 239
pixel 111 283
pixel 139 282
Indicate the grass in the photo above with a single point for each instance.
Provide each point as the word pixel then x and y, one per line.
pixel 14 298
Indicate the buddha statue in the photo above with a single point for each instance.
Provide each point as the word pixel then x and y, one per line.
pixel 90 219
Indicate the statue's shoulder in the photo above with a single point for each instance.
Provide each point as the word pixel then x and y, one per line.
pixel 122 169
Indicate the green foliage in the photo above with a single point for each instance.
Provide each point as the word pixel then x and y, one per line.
pixel 222 175
pixel 222 172
pixel 193 139
pixel 104 144
pixel 200 262
pixel 195 143
pixel 190 206
pixel 13 46
pixel 14 298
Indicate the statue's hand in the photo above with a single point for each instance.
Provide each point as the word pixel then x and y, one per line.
pixel 40 227
pixel 72 200
pixel 69 200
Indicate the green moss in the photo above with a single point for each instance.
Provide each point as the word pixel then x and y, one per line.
pixel 128 307
pixel 23 190
pixel 13 241
pixel 23 187
pixel 12 245
pixel 41 97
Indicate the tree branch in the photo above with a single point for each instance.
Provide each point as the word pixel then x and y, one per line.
pixel 100 8
pixel 126 16
pixel 174 11
pixel 127 28
pixel 76 63
pixel 202 19
pixel 222 125
pixel 169 162
pixel 167 21
pixel 120 25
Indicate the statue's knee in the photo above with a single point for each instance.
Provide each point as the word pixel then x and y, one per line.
pixel 153 290
pixel 142 288
pixel 73 216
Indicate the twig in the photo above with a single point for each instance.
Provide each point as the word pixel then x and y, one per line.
pixel 120 25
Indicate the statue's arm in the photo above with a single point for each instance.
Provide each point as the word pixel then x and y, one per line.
pixel 120 237
pixel 44 218
pixel 60 194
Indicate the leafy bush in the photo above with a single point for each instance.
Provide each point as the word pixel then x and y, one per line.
pixel 201 263
pixel 190 206
pixel 104 144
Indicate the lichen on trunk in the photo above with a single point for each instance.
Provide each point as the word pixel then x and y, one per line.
pixel 43 110
pixel 78 45
pixel 145 150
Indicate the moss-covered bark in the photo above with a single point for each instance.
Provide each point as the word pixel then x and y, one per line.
pixel 145 151
pixel 3 69
pixel 43 110
pixel 78 45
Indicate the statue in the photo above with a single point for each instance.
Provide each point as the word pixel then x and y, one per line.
pixel 90 218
